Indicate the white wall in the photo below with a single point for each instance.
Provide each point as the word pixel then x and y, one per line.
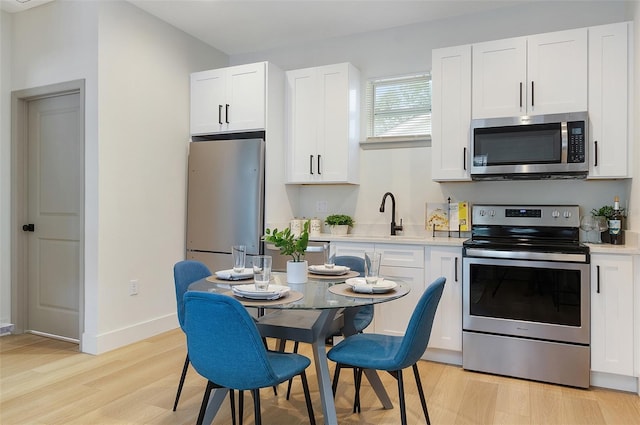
pixel 406 172
pixel 144 68
pixel 6 27
pixel 137 92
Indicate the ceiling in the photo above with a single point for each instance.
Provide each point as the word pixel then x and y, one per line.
pixel 245 26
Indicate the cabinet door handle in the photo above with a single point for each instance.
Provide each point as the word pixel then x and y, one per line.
pixel 220 114
pixel 597 279
pixel 226 113
pixel 319 164
pixel 455 271
pixel 310 164
pixel 464 159
pixel 521 94
pixel 595 143
pixel 532 94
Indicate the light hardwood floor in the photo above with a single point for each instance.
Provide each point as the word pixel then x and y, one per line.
pixel 44 381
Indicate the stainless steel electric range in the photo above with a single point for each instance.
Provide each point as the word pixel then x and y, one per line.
pixel 526 294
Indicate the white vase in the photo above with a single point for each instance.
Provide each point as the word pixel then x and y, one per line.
pixel 297 271
pixel 339 229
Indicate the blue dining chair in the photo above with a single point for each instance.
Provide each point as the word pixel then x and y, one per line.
pixel 226 348
pixel 184 274
pixel 364 316
pixel 394 353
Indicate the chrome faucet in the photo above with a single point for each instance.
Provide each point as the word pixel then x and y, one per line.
pixel 394 228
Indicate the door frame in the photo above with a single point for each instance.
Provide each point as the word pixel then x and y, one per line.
pixel 19 202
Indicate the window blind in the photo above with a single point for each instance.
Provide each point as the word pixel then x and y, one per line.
pixel 399 108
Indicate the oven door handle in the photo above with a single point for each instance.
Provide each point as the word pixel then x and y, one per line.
pixel 525 255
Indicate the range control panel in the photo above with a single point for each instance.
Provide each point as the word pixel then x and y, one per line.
pixel 526 215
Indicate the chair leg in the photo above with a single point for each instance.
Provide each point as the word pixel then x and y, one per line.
pixel 205 401
pixel 256 406
pixel 295 350
pixel 240 406
pixel 423 401
pixel 403 407
pixel 184 375
pixel 307 398
pixel 232 401
pixel 357 372
pixel 336 375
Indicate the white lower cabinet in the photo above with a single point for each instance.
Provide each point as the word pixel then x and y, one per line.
pixel 399 262
pixel 612 297
pixel 446 261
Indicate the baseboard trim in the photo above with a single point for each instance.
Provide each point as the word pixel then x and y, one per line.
pixel 443 356
pixel 615 382
pixel 107 341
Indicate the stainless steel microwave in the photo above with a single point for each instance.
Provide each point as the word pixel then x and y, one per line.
pixel 530 147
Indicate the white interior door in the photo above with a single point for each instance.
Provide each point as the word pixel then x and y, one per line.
pixel 55 184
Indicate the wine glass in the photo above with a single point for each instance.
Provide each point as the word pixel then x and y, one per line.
pixel 588 224
pixel 601 226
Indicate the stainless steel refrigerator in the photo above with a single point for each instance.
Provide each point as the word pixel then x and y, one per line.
pixel 225 200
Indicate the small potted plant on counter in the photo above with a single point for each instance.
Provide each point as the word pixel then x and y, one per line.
pixel 339 223
pixel 292 245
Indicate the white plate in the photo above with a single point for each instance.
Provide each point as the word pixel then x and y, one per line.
pixel 229 274
pixel 336 270
pixel 249 291
pixel 358 284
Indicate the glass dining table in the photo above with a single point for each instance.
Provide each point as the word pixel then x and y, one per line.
pixel 310 312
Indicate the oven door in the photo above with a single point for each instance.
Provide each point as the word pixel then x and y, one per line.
pixel 543 300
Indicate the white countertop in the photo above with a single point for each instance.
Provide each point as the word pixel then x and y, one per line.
pixel 630 248
pixel 400 239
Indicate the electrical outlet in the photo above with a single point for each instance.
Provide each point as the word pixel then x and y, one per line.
pixel 321 206
pixel 133 287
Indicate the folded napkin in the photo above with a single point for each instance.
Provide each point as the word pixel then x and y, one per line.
pixel 231 275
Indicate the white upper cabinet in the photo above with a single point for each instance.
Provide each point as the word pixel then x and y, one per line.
pixel 499 78
pixel 539 74
pixel 228 100
pixel 609 101
pixel 450 113
pixel 323 119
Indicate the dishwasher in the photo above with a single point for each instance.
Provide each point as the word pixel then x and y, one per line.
pixel 314 255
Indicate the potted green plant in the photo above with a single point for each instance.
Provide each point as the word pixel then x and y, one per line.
pixel 606 211
pixel 339 223
pixel 294 246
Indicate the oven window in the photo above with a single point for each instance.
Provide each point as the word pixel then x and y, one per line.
pixel 525 293
pixel 531 144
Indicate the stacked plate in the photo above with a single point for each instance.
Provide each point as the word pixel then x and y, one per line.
pixel 273 292
pixel 358 284
pixel 247 273
pixel 333 271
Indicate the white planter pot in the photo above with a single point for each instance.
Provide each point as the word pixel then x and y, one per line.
pixel 340 229
pixel 297 271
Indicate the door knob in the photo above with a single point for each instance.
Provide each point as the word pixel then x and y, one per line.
pixel 29 227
